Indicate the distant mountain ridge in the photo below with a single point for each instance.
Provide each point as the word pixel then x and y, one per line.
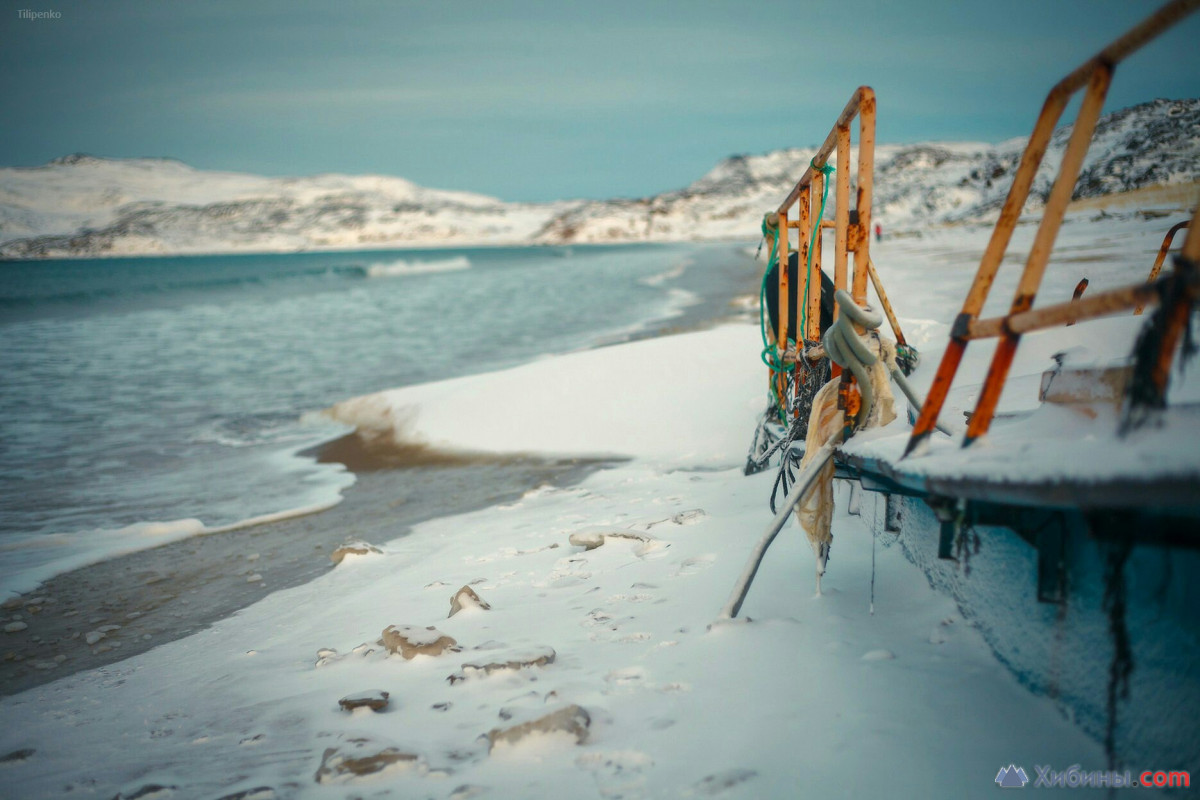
pixel 84 206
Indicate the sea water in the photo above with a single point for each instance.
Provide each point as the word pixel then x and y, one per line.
pixel 144 399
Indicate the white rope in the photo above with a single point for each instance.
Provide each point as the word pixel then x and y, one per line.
pixel 847 349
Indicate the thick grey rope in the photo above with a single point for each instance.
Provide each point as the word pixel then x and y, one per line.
pixel 846 349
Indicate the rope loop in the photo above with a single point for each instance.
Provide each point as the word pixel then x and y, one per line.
pixel 847 349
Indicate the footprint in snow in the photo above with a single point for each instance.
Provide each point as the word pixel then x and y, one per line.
pixel 690 566
pixel 626 678
pixel 720 782
pixel 941 632
pixel 630 598
pixel 618 773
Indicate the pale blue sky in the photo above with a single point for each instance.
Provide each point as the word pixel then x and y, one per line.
pixel 538 100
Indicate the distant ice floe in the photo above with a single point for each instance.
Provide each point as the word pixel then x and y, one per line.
pixel 401 268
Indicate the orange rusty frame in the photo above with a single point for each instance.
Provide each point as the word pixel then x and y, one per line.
pixel 1083 308
pixel 1096 74
pixel 851 228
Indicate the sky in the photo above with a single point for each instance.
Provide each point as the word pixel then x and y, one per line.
pixel 533 100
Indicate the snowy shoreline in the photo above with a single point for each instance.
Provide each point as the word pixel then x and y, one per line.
pixel 627 623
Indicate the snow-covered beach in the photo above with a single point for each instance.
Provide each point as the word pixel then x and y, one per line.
pixel 815 696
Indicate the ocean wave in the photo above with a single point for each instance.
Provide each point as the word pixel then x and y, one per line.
pixel 252 429
pixel 401 268
pixel 676 271
pixel 165 285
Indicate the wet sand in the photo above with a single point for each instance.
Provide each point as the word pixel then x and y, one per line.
pixel 115 609
pixel 159 595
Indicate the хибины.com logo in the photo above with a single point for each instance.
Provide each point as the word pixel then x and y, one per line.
pixel 1074 777
pixel 1011 777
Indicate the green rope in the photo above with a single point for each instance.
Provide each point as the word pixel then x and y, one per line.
pixel 770 354
pixel 826 170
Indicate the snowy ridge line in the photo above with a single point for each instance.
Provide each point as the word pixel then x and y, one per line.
pixel 85 207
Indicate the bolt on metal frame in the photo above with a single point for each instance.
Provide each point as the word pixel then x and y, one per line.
pixel 1096 74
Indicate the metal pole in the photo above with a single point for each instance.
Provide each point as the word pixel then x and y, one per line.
pixel 814 294
pixel 842 209
pixel 866 170
pixel 803 481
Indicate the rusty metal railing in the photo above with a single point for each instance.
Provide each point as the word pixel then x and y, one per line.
pixel 1096 74
pixel 851 225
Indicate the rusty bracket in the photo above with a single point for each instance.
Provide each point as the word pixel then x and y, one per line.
pixel 855 235
pixel 961 329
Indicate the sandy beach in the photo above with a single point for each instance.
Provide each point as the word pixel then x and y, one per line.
pixel 151 597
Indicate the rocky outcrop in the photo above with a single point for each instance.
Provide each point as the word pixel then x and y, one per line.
pixel 374 699
pixel 354 549
pixel 590 540
pixel 465 599
pixel 570 721
pixel 411 641
pixel 360 758
pixel 536 657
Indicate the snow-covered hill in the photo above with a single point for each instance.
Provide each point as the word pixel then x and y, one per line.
pixel 1155 143
pixel 81 206
pixel 86 206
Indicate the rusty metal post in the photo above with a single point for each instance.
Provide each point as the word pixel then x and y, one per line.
pixel 801 258
pixel 866 170
pixel 814 295
pixel 883 300
pixel 782 339
pixel 1039 254
pixel 1162 256
pixel 842 209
